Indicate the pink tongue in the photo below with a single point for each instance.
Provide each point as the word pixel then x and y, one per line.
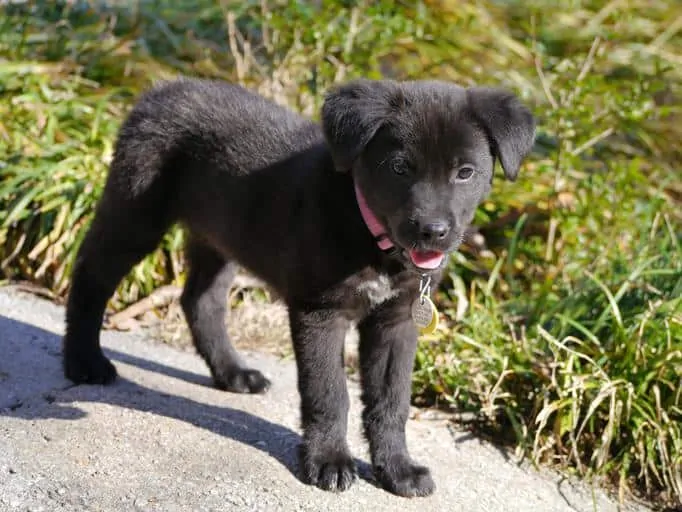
pixel 426 259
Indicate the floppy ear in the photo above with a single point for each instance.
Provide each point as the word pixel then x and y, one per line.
pixel 352 114
pixel 508 123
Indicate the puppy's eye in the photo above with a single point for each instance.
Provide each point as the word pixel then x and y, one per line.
pixel 464 173
pixel 400 167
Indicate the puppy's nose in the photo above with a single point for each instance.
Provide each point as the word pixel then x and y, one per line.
pixel 432 231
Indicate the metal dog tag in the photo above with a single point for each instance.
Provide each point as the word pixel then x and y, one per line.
pixel 424 311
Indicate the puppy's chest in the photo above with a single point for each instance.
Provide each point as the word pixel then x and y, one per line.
pixel 376 290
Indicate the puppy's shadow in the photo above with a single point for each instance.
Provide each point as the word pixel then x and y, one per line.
pixel 278 441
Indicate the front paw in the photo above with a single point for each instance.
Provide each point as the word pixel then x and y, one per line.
pixel 329 467
pixel 404 478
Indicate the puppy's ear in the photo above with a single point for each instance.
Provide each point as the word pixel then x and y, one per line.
pixel 508 123
pixel 353 113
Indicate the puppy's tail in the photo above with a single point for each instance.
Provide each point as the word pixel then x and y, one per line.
pixel 148 142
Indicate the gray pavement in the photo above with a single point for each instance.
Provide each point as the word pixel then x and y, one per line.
pixel 162 439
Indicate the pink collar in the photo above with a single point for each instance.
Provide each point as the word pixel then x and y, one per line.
pixel 375 227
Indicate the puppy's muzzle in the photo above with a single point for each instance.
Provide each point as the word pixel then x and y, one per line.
pixel 435 231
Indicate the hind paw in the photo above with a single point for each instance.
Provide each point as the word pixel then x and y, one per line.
pixel 89 369
pixel 242 380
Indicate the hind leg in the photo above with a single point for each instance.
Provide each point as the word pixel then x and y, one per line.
pixel 119 237
pixel 204 302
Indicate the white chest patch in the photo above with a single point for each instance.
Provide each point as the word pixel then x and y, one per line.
pixel 378 290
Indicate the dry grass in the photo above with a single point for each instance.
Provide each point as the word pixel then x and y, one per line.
pixel 253 324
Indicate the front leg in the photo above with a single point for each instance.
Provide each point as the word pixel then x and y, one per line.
pixel 388 342
pixel 318 338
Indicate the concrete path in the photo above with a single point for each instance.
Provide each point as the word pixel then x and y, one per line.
pixel 162 439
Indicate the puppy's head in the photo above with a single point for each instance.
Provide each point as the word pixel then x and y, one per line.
pixel 423 155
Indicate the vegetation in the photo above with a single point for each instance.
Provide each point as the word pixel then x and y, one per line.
pixel 562 317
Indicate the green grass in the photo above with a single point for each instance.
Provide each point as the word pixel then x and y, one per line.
pixel 563 322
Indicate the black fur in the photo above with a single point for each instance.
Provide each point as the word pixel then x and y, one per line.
pixel 258 186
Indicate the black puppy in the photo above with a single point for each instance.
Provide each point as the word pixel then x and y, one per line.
pixel 342 221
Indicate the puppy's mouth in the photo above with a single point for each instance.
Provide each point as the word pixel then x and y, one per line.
pixel 426 259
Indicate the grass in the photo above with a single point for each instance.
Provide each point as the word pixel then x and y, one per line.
pixel 562 317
